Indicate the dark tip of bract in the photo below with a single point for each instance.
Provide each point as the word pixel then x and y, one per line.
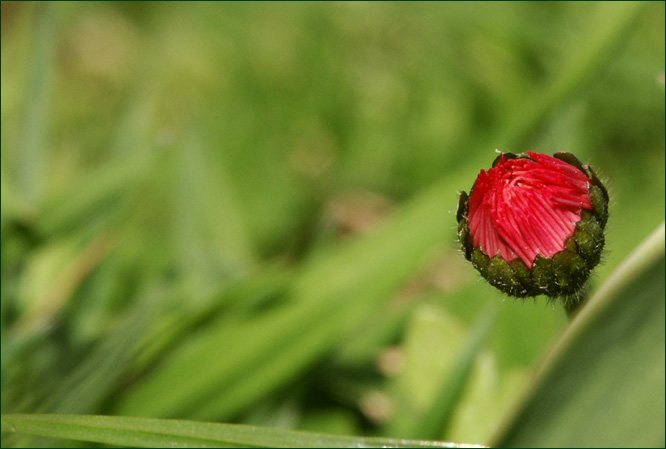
pixel 465 238
pixel 507 156
pixel 597 182
pixel 570 159
pixel 462 206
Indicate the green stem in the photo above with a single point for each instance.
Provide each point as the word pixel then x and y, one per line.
pixel 573 303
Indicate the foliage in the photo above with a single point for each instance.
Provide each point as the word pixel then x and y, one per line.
pixel 244 213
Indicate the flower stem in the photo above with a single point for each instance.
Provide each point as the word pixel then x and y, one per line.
pixel 573 302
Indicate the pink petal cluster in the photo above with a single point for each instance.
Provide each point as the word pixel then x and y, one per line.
pixel 524 207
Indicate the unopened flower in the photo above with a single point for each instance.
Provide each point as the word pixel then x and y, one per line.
pixel 534 224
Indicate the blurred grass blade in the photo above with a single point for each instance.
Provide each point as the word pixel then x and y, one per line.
pixel 433 423
pixel 147 432
pixel 318 314
pixel 603 384
pixel 91 382
pixel 13 206
pixel 32 158
pixel 607 28
pixel 98 194
pixel 238 298
pixel 209 226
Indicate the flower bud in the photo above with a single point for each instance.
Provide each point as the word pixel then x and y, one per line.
pixel 534 224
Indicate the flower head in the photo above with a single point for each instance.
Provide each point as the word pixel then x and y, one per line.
pixel 533 224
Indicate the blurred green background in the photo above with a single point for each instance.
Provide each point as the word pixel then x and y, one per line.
pixel 245 212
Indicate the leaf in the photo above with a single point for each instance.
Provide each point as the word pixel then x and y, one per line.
pixel 440 363
pixel 149 432
pixel 603 384
pixel 438 417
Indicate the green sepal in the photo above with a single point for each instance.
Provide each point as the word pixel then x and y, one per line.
pixel 524 277
pixel 570 272
pixel 543 276
pixel 501 275
pixel 570 245
pixel 480 261
pixel 589 237
pixel 599 204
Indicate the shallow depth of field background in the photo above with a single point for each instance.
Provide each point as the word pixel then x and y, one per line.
pixel 207 208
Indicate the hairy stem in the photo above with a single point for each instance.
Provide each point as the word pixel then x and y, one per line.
pixel 573 302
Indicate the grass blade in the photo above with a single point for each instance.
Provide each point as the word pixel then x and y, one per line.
pixel 148 432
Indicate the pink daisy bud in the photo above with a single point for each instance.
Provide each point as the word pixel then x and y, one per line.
pixel 533 224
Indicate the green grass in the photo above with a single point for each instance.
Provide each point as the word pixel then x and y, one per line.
pixel 245 213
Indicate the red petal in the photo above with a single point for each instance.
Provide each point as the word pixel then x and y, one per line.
pixel 524 207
